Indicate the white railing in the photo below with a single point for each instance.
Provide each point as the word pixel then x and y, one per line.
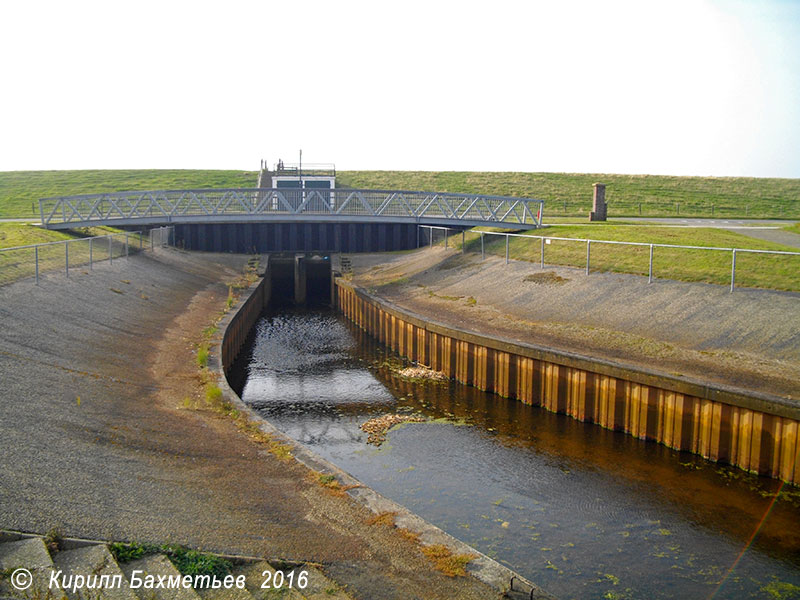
pixel 33 260
pixel 261 204
pixel 544 241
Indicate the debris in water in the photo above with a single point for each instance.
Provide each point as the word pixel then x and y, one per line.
pixel 377 427
pixel 422 373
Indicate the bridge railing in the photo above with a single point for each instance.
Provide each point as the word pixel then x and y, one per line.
pixel 175 206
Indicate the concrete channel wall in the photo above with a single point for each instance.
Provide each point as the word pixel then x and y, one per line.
pixel 235 328
pixel 758 433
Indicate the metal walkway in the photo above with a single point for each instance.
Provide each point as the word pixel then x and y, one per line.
pixel 289 205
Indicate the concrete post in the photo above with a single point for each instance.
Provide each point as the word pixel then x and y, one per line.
pixel 599 206
pixel 299 280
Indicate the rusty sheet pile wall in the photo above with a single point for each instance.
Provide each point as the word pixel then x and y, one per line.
pixel 758 434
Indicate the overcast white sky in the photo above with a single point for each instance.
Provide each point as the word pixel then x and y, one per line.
pixel 672 87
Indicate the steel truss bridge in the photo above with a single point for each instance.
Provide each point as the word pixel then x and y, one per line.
pixel 262 205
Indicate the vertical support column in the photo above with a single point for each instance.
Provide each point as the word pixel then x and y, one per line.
pixel 430 236
pixel 650 272
pixel 541 255
pixel 599 206
pixel 588 254
pixel 299 280
pixel 733 269
pixel 445 238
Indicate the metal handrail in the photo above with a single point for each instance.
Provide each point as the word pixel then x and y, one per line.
pixel 262 204
pixel 589 243
pixel 109 237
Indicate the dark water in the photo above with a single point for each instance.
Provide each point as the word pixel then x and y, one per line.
pixel 584 512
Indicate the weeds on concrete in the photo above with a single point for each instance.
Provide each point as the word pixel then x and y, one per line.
pixel 445 561
pixel 54 538
pixel 187 561
pixel 385 518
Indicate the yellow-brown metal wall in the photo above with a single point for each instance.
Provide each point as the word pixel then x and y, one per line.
pixel 755 441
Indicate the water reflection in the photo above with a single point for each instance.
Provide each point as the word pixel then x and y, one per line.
pixel 583 511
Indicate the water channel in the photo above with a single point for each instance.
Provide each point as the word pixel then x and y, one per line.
pixel 582 511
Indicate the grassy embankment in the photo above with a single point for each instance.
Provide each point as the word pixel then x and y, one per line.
pixel 20 191
pixel 18 264
pixel 565 194
pixel 752 270
pixel 570 194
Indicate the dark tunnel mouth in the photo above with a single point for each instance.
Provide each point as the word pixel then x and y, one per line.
pixel 315 289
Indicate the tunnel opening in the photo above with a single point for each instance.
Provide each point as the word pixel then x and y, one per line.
pixel 319 284
pixel 281 275
pixel 300 280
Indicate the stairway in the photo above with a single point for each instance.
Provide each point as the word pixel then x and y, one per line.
pixel 93 562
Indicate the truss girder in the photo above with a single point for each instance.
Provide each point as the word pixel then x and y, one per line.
pixel 262 202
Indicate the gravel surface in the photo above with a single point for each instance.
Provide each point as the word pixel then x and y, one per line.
pixel 97 370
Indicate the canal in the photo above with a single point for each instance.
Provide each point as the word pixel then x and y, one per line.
pixel 582 511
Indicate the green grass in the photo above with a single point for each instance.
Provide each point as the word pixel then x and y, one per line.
pixel 188 562
pixel 570 194
pixel 19 264
pixel 752 270
pixel 793 228
pixel 24 234
pixel 565 194
pixel 20 191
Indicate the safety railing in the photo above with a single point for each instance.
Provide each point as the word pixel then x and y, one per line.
pixel 780 272
pixel 34 260
pixel 190 206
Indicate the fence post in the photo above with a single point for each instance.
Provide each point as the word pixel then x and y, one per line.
pixel 36 262
pixel 588 253
pixel 91 251
pixel 650 273
pixel 677 208
pixel 506 248
pixel 733 269
pixel 66 258
pixel 483 254
pixel 712 210
pixel 463 242
pixel 541 254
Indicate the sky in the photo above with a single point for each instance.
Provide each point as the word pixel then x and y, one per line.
pixel 661 87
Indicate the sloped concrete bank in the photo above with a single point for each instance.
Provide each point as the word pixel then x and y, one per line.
pixel 235 328
pixel 756 432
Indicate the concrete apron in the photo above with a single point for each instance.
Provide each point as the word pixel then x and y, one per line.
pixel 232 334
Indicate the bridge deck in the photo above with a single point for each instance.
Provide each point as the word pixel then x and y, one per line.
pixel 289 206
